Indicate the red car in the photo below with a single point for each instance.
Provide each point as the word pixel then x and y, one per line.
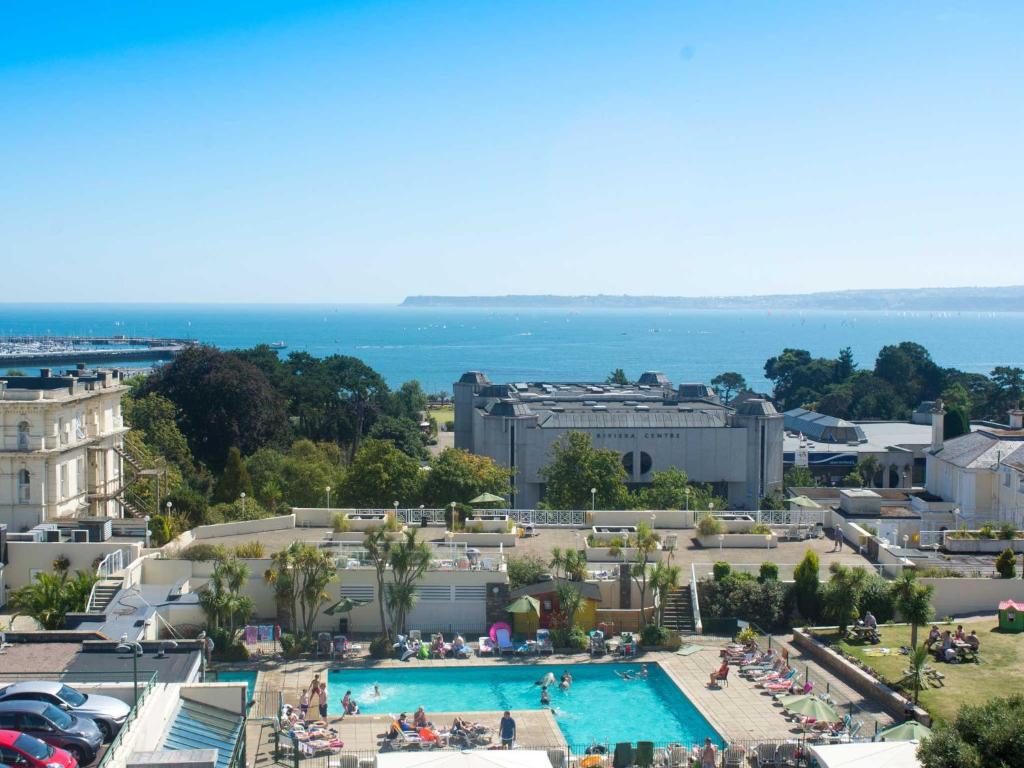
pixel 19 750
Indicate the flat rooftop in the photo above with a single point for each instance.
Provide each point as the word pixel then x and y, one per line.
pixel 879 436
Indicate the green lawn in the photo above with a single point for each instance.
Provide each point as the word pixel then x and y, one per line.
pixel 443 414
pixel 1000 673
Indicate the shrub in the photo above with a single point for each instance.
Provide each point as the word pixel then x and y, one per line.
pixel 986 532
pixel 476 528
pixel 381 647
pixel 227 647
pixel 578 639
pixel 805 585
pixel 287 642
pixel 159 530
pixel 741 596
pixel 709 525
pixel 1006 564
pixel 1007 531
pixel 769 571
pixel 252 550
pixel 746 635
pixel 339 522
pixel 201 552
pixel 653 636
pixel 761 528
pixel 721 569
pixel 525 570
pixel 878 597
pixel 672 642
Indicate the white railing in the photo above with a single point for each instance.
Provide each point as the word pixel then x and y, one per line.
pixel 454 556
pixel 548 518
pixel 114 561
pixel 772 516
pixel 698 626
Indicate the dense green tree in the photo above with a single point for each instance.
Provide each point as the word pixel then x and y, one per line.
pixel 221 401
pixel 403 432
pixel 50 597
pixel 988 735
pixel 457 475
pixel 668 490
pixel 618 376
pixel 576 467
pixel 409 401
pixel 909 368
pixel 840 596
pixel 234 480
pixel 845 366
pixel 153 416
pixel 1008 388
pixel 728 384
pixel 955 423
pixel 806 585
pixel 379 475
pixel 798 477
pixel 524 570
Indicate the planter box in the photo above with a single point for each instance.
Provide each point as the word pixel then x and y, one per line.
pixel 602 534
pixel 490 524
pixel 985 546
pixel 365 522
pixel 627 554
pixel 486 539
pixel 358 536
pixel 663 518
pixel 740 540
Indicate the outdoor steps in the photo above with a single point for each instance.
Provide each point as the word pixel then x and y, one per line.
pixel 678 614
pixel 103 593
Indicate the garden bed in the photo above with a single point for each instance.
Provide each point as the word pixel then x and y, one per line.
pixel 740 540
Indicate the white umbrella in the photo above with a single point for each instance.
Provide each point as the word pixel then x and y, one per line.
pixel 872 754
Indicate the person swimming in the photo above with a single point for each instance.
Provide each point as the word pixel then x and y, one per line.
pixel 376 691
pixel 545 698
pixel 566 681
pixel 548 679
pixel 627 675
pixel 643 671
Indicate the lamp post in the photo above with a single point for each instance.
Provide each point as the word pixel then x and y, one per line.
pixel 768 541
pixel 328 489
pixel 169 505
pixel 687 492
pixel 593 499
pixel 201 637
pixel 242 497
pixel 126 646
pixel 721 540
pixel 450 535
pixel 455 515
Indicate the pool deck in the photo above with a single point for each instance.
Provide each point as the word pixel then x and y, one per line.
pixel 739 711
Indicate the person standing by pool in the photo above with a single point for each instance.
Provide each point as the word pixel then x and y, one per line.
pixel 323 701
pixel 507 730
pixel 304 704
pixel 708 754
pixel 314 686
pixel 566 681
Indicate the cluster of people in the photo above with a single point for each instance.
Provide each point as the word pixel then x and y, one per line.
pixel 945 644
pixel 549 680
pixel 316 689
pixel 462 732
pixel 631 675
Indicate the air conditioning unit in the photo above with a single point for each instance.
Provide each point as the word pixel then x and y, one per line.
pixel 80 535
pixel 52 536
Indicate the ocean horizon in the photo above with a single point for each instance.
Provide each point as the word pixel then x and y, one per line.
pixel 436 345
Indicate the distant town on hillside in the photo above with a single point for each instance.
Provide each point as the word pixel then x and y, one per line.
pixel 970 299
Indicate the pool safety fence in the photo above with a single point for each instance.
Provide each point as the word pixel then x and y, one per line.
pixel 290 753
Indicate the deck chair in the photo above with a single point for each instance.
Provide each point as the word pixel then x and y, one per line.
pixel 504 642
pixel 764 756
pixel 596 642
pixel 623 755
pixel 786 754
pixel 544 643
pixel 644 757
pixel 734 757
pixel 485 646
pixel 415 634
pixel 678 757
pixel 722 681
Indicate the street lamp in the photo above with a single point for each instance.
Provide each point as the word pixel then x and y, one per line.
pixel 201 637
pixel 593 499
pixel 768 541
pixel 687 492
pixel 450 535
pixel 242 497
pixel 128 646
pixel 328 489
pixel 721 540
pixel 169 505
pixel 455 514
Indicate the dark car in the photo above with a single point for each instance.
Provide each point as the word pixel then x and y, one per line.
pixel 47 722
pixel 108 712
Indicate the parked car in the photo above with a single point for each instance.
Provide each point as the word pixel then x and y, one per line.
pixel 76 734
pixel 19 750
pixel 108 712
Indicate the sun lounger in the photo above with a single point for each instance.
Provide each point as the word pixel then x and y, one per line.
pixel 597 647
pixel 485 646
pixel 783 685
pixel 544 643
pixel 504 641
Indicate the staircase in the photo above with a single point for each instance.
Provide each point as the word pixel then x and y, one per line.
pixel 103 592
pixel 128 458
pixel 678 613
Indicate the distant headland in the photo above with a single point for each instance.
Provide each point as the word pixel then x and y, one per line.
pixel 973 299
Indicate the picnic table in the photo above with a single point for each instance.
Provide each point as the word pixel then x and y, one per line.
pixel 965 651
pixel 860 632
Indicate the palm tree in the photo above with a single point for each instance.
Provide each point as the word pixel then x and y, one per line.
pixel 233 574
pixel 557 563
pixel 409 560
pixel 314 569
pixel 51 596
pixel 575 564
pixel 569 600
pixel 917 672
pixel 281 576
pixel 913 601
pixel 663 578
pixel 646 542
pixel 378 548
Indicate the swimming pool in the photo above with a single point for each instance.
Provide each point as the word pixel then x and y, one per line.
pixel 249 678
pixel 599 707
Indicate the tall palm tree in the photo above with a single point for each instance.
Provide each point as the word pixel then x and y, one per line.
pixel 557 561
pixel 913 601
pixel 378 549
pixel 409 560
pixel 315 569
pixel 570 599
pixel 281 575
pixel 663 578
pixel 646 542
pixel 917 672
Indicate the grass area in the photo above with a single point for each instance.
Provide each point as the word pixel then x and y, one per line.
pixel 1000 672
pixel 443 414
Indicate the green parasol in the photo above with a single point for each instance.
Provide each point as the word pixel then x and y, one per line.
pixel 814 707
pixel 908 731
pixel 344 605
pixel 524 604
pixel 487 498
pixel 804 502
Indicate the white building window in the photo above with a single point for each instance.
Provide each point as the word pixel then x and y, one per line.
pixel 24 486
pixel 62 431
pixel 80 474
pixel 62 472
pixel 23 436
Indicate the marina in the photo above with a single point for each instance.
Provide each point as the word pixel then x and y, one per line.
pixel 38 350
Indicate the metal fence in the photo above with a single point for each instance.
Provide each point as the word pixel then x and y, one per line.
pixel 115 747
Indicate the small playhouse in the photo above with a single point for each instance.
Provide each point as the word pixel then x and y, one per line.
pixel 1011 616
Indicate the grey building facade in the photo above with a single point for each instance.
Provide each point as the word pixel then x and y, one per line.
pixel 652 425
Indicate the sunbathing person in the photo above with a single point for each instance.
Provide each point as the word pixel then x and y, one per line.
pixel 404 723
pixel 437 647
pixel 719 674
pixel 419 718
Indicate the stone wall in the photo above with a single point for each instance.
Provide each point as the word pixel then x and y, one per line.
pixel 497 599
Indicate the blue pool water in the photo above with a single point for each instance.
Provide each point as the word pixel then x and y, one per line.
pixel 599 707
pixel 249 678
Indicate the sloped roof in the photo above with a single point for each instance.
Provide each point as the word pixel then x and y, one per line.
pixel 200 726
pixel 589 590
pixel 982 450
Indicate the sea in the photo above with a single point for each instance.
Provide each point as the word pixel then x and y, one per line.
pixel 436 345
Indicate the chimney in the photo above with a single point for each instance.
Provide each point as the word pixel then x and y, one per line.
pixel 938 425
pixel 1016 418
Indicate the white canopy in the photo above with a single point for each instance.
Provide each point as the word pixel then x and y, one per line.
pixel 478 758
pixel 878 754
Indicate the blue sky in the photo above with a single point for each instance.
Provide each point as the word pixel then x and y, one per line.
pixel 362 151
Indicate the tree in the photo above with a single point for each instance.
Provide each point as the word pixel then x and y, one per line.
pixel 50 597
pixel 1008 389
pixel 984 735
pixel 222 599
pixel 281 576
pixel 645 542
pixel 458 475
pixel 917 672
pixel 402 432
pixel 672 489
pixel 806 585
pixel 664 578
pixel 845 366
pixel 570 564
pixel 955 423
pixel 728 384
pixel 1006 564
pixel 380 474
pixel 524 570
pixel 153 417
pixel 378 549
pixel 840 597
pixel 234 480
pixel 576 467
pixel 409 401
pixel 314 570
pixel 798 477
pixel 220 401
pixel 409 560
pixel 569 601
pixel 618 376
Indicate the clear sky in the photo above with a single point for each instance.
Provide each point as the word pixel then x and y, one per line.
pixel 362 151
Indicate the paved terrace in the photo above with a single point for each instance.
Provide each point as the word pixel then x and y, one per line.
pixel 739 711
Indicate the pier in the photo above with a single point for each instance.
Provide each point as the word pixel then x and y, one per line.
pixel 40 350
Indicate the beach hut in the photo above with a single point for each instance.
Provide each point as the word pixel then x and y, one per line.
pixel 1011 616
pixel 546 594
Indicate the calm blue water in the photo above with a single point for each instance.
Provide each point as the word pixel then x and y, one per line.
pixel 437 345
pixel 599 707
pixel 232 677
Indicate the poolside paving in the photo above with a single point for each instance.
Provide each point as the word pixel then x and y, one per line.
pixel 739 711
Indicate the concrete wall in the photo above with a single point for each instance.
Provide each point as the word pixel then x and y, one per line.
pixel 673 518
pixel 227 696
pixel 741 540
pixel 245 527
pixel 26 556
pixel 965 597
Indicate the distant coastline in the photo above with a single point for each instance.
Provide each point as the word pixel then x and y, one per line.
pixel 1000 299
